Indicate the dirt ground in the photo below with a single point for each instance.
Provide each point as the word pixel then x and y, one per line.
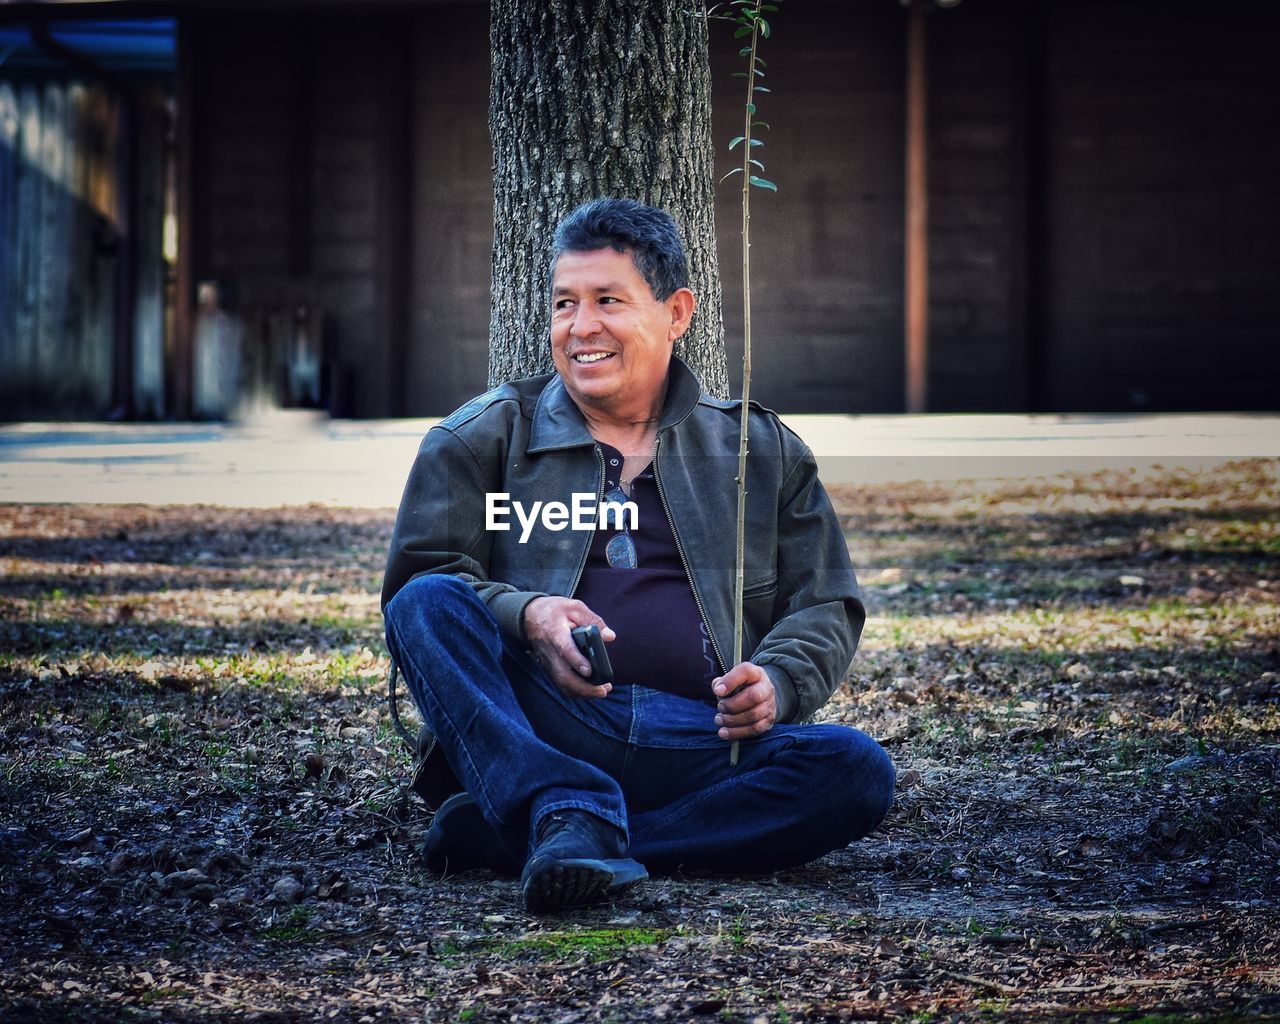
pixel 204 814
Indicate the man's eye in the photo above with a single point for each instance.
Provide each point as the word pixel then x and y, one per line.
pixel 607 299
pixel 563 303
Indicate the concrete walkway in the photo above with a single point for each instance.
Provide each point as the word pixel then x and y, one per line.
pixel 303 458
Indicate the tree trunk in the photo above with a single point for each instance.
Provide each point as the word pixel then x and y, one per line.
pixel 597 98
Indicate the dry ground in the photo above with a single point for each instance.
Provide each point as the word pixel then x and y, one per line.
pixel 203 814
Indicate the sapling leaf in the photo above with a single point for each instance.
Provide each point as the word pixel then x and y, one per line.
pixel 760 124
pixel 763 183
pixel 736 170
pixel 751 108
pixel 745 52
pixel 745 30
pixel 764 26
pixel 763 88
pixel 756 162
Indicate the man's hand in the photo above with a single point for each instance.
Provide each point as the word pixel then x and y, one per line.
pixel 548 622
pixel 748 705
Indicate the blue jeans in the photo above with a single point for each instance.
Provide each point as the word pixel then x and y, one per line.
pixel 645 760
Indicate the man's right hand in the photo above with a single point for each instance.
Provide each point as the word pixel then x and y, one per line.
pixel 548 621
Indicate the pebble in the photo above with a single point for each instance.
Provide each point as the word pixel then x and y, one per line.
pixel 287 890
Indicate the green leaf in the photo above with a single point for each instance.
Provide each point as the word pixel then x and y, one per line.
pixel 756 162
pixel 760 61
pixel 736 170
pixel 764 27
pixel 751 109
pixel 736 141
pixel 763 183
pixel 756 142
pixel 745 52
pixel 768 7
pixel 760 124
pixel 745 30
pixel 762 88
pixel 739 74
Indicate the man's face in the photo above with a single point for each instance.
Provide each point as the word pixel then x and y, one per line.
pixel 611 340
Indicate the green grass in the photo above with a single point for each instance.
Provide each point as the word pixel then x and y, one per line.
pixel 595 943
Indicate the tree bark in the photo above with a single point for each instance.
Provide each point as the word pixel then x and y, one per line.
pixel 597 98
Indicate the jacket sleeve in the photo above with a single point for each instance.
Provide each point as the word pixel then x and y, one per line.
pixel 819 613
pixel 440 527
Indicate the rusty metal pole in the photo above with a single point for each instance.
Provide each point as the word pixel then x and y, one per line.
pixel 917 212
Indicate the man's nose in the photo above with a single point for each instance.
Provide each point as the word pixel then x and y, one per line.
pixel 586 321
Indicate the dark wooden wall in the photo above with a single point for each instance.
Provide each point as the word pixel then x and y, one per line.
pixel 82 276
pixel 1163 271
pixel 1101 189
pixel 827 288
pixel 979 172
pixel 447 354
pixel 301 175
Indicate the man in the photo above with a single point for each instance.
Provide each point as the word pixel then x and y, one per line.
pixel 581 786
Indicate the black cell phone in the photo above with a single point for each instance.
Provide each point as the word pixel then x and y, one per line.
pixel 591 643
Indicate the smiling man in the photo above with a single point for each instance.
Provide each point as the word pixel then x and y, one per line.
pixel 581 785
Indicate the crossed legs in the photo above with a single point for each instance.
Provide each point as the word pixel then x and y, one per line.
pixel 644 761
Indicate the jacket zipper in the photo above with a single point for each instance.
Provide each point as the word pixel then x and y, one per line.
pixel 582 564
pixel 657 478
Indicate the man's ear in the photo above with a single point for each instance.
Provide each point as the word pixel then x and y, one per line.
pixel 681 304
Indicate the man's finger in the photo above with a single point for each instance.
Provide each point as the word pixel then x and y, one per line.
pixel 740 675
pixel 747 697
pixel 746 732
pixel 573 685
pixel 744 718
pixel 584 616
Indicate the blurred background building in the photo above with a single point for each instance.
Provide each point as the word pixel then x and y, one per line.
pixel 207 207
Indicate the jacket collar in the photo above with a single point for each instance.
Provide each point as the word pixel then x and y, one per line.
pixel 558 423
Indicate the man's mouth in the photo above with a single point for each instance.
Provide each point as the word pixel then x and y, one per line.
pixel 592 357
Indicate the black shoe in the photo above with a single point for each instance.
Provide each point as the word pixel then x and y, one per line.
pixel 459 839
pixel 577 859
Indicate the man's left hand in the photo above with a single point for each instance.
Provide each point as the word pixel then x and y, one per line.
pixel 747 704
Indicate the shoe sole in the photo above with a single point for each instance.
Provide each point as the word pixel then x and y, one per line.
pixel 566 884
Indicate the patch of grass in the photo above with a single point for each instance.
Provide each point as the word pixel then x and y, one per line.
pixel 594 942
pixel 296 924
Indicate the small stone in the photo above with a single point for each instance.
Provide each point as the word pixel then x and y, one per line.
pixel 1190 763
pixel 185 879
pixel 1132 581
pixel 287 890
